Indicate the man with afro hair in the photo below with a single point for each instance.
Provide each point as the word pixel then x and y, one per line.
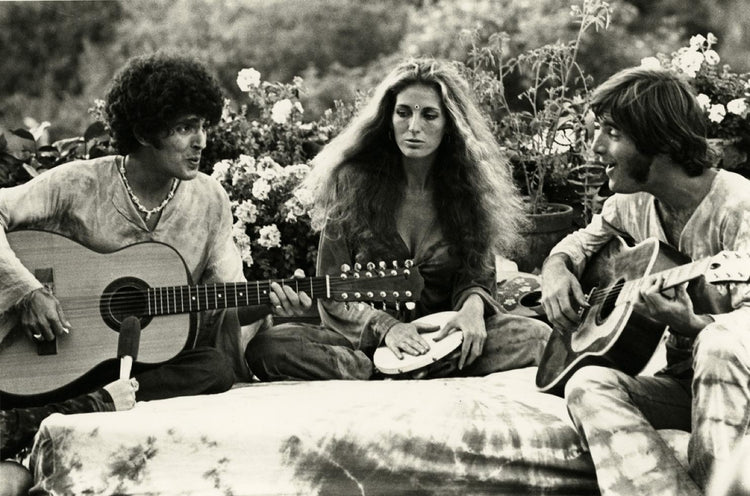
pixel 158 109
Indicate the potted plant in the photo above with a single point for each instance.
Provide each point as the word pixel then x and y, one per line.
pixel 546 135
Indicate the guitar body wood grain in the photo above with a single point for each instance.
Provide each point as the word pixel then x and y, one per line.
pixel 80 276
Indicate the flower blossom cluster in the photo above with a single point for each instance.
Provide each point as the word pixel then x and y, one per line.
pixel 720 92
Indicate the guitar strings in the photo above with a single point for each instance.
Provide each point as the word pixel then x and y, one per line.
pixel 169 294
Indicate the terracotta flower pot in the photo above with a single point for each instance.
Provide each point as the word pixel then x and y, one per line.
pixel 545 231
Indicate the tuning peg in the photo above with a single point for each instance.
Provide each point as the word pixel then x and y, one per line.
pixel 395 264
pixel 382 264
pixel 356 275
pixel 344 296
pixel 344 275
pixel 345 268
pixel 408 263
pixel 370 266
pixel 396 295
pixel 370 294
pixel 383 294
pixel 357 266
pixel 407 293
pixel 368 274
pixel 394 272
pixel 358 295
pixel 381 273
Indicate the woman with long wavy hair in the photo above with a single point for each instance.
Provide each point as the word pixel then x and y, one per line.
pixel 416 175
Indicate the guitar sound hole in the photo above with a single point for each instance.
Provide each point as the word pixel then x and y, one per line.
pixel 531 300
pixel 124 298
pixel 608 304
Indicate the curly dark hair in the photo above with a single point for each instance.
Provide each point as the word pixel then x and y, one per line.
pixel 151 91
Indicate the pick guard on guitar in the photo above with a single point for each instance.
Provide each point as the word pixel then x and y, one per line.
pixel 80 278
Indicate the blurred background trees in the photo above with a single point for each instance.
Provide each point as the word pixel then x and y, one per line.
pixel 58 57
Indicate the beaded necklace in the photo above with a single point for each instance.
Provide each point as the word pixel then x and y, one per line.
pixel 146 211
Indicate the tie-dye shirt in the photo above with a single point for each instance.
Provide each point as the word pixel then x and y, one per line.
pixel 720 222
pixel 87 202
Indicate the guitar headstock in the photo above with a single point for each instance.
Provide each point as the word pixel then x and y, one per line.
pixel 377 283
pixel 728 266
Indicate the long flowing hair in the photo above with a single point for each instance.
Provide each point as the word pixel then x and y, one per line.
pixel 358 181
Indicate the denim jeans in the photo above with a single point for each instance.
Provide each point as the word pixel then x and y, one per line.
pixel 306 352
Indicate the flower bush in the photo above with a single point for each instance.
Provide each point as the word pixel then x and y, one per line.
pixel 546 132
pixel 259 153
pixel 723 94
pixel 272 225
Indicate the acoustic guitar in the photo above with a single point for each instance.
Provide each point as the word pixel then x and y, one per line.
pixel 150 281
pixel 611 333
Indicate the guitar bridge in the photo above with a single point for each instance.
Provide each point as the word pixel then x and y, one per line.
pixel 46 277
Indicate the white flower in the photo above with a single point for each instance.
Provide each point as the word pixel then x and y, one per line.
pixel 704 101
pixel 689 62
pixel 242 240
pixel 281 111
pixel 712 58
pixel 716 113
pixel 304 196
pixel 712 39
pixel 270 237
pixel 299 108
pixel 226 110
pixel 246 212
pixel 738 106
pixel 697 41
pixel 247 162
pixel 248 79
pixel 261 188
pixel 650 63
pixel 220 170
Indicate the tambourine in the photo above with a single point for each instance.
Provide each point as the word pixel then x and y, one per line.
pixel 439 360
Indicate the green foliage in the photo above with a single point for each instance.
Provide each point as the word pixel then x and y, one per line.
pixel 547 136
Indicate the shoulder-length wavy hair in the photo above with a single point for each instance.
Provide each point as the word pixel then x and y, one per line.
pixel 358 181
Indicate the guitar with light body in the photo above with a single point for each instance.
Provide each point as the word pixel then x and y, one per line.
pixel 611 333
pixel 150 281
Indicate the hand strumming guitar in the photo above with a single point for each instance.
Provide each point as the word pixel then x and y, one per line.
pixel 562 294
pixel 41 315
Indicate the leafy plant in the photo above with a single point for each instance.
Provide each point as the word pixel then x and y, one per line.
pixel 546 135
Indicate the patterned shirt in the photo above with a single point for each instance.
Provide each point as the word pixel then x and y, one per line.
pixel 720 222
pixel 87 201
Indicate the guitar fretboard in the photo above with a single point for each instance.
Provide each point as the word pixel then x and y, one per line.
pixel 182 299
pixel 672 277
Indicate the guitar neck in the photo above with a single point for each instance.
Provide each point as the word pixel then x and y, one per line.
pixel 684 273
pixel 185 299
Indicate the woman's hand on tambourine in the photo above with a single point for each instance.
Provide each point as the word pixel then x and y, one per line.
pixel 470 321
pixel 405 338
